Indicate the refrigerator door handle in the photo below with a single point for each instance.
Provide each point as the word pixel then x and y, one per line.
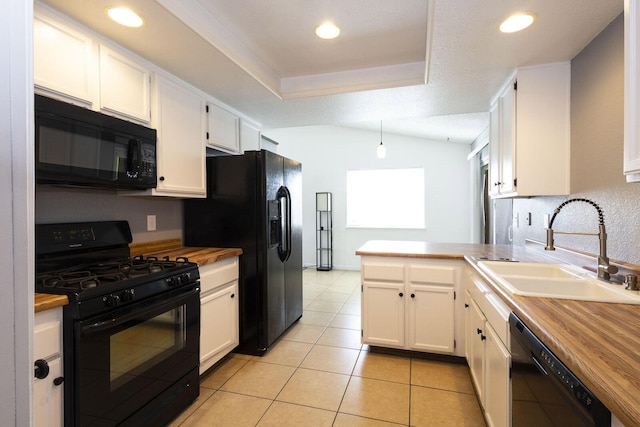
pixel 284 249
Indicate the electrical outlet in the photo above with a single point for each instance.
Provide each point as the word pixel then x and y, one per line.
pixel 151 223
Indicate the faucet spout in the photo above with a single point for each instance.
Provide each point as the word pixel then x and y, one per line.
pixel 605 269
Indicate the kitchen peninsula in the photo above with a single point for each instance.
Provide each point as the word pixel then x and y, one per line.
pixel 595 340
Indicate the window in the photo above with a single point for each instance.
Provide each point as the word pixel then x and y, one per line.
pixel 385 198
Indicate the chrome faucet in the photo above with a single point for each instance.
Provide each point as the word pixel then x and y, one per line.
pixel 605 270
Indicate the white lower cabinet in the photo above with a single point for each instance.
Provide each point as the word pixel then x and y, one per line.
pixel 497 395
pixel 475 337
pixel 218 311
pixel 409 304
pixel 487 350
pixel 48 381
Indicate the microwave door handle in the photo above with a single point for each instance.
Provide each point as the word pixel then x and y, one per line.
pixel 134 154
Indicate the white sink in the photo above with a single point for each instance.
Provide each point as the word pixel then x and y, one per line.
pixel 556 281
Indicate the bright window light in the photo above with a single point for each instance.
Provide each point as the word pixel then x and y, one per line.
pixel 385 198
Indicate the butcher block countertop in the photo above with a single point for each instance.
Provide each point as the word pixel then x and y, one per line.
pixel 173 248
pixel 599 342
pixel 44 302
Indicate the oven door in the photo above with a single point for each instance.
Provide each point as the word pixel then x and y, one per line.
pixel 125 359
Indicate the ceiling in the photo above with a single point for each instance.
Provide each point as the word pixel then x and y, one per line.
pixel 425 68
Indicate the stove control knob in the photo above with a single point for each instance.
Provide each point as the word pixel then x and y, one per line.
pixel 111 300
pixel 128 295
pixel 184 278
pixel 172 281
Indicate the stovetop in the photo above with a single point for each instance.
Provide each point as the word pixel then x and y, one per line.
pixel 102 277
pixel 90 263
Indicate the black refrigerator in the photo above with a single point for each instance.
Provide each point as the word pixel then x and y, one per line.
pixel 254 202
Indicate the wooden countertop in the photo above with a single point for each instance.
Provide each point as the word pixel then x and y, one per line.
pixel 173 248
pixel 202 256
pixel 44 302
pixel 597 341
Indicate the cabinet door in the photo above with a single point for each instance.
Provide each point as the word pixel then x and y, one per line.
pixel 47 345
pixel 223 129
pixel 476 344
pixel 631 91
pixel 431 318
pixel 494 149
pixel 180 151
pixel 47 397
pixel 124 86
pixel 507 139
pixel 218 324
pixel 383 314
pixel 250 137
pixel 497 398
pixel 64 63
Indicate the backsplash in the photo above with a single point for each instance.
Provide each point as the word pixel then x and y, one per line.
pixel 57 204
pixel 597 114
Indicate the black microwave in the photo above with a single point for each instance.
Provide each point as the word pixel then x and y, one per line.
pixel 79 147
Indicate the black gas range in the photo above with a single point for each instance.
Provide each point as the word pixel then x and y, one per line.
pixel 131 329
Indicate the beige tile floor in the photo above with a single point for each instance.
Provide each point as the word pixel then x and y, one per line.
pixel 318 374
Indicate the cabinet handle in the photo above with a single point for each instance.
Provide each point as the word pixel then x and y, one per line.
pixel 482 337
pixel 161 178
pixel 401 294
pixel 478 331
pixel 466 305
pixel 41 369
pixel 233 295
pixel 495 184
pixel 58 381
pixel 413 295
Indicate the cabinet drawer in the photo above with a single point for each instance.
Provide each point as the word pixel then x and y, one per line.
pixel 47 333
pixel 493 307
pixel 445 275
pixel 384 272
pixel 218 273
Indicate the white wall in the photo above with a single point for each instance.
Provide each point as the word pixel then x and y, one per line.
pixel 16 213
pixel 327 152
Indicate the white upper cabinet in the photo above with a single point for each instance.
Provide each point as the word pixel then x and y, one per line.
pixel 223 130
pixel 250 137
pixel 124 86
pixel 73 67
pixel 180 151
pixel 64 64
pixel 631 91
pixel 530 133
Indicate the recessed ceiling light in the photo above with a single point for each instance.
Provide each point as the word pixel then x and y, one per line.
pixel 328 31
pixel 124 16
pixel 517 22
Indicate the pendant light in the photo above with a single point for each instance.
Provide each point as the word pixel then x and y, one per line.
pixel 381 151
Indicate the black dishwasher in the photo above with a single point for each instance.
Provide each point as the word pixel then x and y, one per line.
pixel 544 392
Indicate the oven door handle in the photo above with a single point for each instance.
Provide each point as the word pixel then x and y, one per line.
pixel 102 325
